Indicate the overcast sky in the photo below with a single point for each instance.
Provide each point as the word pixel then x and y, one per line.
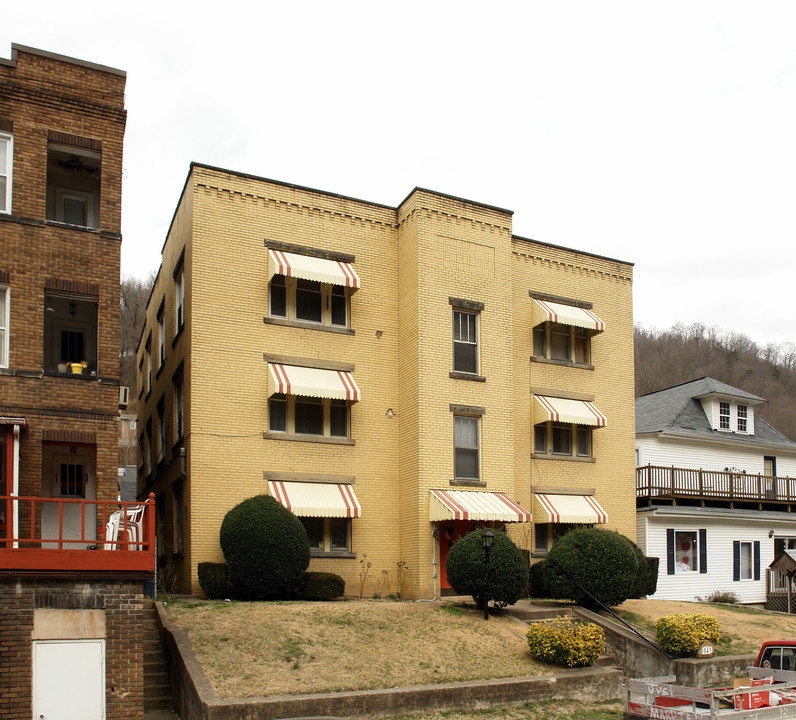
pixel 659 133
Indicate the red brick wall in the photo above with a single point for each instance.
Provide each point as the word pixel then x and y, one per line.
pixel 122 603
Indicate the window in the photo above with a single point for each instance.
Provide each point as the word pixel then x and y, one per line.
pixel 179 514
pixel 465 342
pixel 161 338
pixel 562 439
pixel 466 448
pixel 301 415
pixel 565 343
pixel 742 417
pixel 6 164
pixel 724 416
pixel 161 429
pixel 148 358
pixel 179 406
pixel 327 535
pixel 148 447
pixel 73 184
pixel 546 534
pixel 4 316
pixel 71 480
pixel 685 549
pixel 179 300
pixel 745 560
pixel 70 332
pixel 780 657
pixel 308 301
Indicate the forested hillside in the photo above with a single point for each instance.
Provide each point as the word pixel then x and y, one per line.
pixel 683 353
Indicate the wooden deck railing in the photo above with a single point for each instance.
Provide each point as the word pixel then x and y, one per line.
pixel 670 482
pixel 54 534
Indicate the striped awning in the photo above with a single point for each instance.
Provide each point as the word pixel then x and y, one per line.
pixel 333 272
pixel 563 410
pixel 474 505
pixel 309 499
pixel 312 382
pixel 544 310
pixel 568 509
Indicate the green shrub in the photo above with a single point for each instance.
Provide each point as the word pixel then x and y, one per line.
pixel 538 582
pixel 647 574
pixel 565 642
pixel 602 562
pixel 683 633
pixel 322 586
pixel 503 580
pixel 266 548
pixel 214 580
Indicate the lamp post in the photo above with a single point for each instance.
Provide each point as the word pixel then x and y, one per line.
pixel 486 540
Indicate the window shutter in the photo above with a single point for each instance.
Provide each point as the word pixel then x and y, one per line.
pixel 736 560
pixel 757 559
pixel 670 551
pixel 703 550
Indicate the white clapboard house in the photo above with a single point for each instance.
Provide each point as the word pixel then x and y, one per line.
pixel 715 487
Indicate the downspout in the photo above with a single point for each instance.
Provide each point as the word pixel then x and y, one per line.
pixel 15 488
pixel 434 535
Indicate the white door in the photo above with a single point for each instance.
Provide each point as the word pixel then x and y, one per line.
pixel 69 680
pixel 71 477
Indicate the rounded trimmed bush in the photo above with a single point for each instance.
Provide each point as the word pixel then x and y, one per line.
pixel 562 641
pixel 266 548
pixel 503 580
pixel 214 580
pixel 601 561
pixel 682 634
pixel 322 586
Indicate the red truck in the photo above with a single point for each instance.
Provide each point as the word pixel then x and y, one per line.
pixel 778 655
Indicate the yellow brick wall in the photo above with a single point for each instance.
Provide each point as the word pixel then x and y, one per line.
pixel 411 260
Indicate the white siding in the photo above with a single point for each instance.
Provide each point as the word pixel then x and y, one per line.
pixel 721 532
pixel 667 452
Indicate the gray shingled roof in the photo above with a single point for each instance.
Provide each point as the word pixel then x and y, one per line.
pixel 676 410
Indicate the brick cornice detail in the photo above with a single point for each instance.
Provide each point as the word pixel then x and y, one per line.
pixel 74 140
pixel 69 286
pixel 70 437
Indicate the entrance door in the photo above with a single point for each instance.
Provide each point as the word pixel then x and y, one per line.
pixel 450 532
pixel 71 477
pixel 69 680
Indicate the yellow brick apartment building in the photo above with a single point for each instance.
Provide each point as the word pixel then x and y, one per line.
pixel 396 376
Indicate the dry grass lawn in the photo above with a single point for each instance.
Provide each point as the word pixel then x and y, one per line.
pixel 280 648
pixel 742 629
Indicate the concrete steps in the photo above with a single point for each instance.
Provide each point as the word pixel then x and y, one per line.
pixel 157 688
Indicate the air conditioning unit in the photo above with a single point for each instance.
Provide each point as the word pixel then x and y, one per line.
pixel 124 396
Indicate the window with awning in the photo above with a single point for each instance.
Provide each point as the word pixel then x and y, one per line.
pixel 574 509
pixel 475 505
pixel 312 382
pixel 332 272
pixel 546 311
pixel 564 410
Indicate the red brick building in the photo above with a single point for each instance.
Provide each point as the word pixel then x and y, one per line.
pixel 70 610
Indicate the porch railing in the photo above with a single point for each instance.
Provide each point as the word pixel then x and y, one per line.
pixel 672 482
pixel 75 534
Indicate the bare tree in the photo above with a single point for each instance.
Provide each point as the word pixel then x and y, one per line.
pixel 133 299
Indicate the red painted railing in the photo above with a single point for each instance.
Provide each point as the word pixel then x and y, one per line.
pixel 77 535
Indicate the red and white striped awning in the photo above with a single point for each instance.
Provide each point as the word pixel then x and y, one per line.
pixel 563 410
pixel 333 272
pixel 309 499
pixel 568 509
pixel 475 505
pixel 543 310
pixel 312 382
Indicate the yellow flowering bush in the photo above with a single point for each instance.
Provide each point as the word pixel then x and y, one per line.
pixel 563 641
pixel 683 633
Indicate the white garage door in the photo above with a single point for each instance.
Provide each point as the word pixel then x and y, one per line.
pixel 69 680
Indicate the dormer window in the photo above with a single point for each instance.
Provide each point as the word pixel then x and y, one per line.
pixel 724 416
pixel 742 417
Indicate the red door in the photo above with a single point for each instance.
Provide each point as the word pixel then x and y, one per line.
pixel 450 532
